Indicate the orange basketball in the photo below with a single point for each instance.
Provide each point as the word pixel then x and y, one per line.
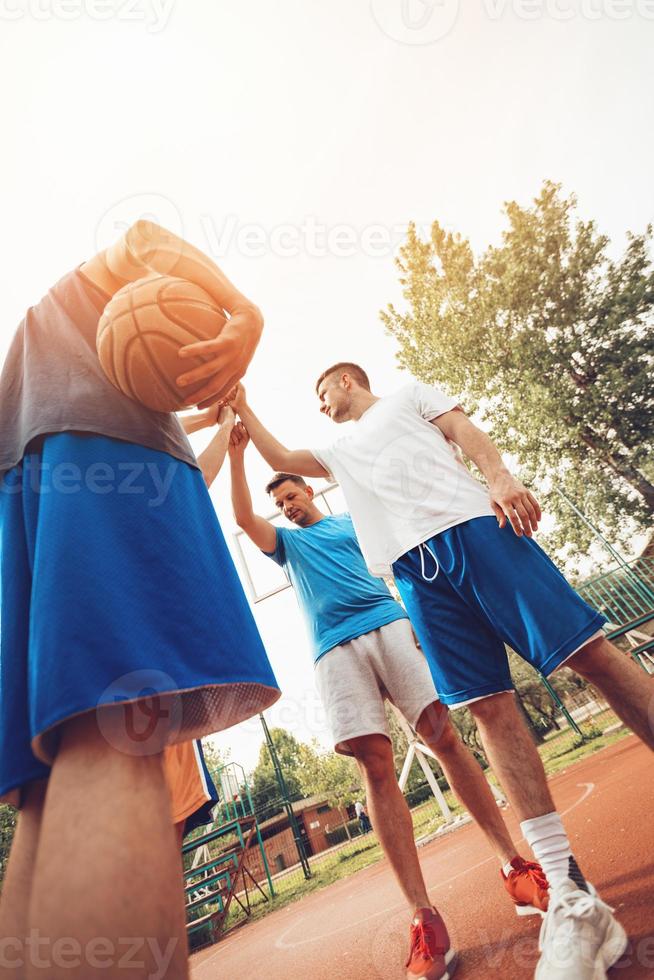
pixel 140 334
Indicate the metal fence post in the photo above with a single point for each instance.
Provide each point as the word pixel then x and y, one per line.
pixel 299 843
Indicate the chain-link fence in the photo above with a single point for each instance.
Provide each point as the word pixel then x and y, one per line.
pixel 336 843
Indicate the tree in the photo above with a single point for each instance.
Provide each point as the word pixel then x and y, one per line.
pixel 551 341
pixel 265 789
pixel 332 776
pixel 214 757
pixel 7 830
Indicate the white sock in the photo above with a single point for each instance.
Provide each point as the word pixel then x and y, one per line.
pixel 549 842
pixel 507 869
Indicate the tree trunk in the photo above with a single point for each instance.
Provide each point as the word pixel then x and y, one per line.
pixel 624 469
pixel 347 829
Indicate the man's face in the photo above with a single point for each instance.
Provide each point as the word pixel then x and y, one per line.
pixel 294 501
pixel 334 398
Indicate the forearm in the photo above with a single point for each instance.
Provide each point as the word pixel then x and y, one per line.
pixel 241 496
pixel 146 247
pixel 483 452
pixel 193 423
pixel 213 457
pixel 274 453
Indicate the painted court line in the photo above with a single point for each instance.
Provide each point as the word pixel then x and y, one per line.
pixel 282 943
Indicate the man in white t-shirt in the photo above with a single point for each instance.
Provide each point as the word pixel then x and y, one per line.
pixel 473 580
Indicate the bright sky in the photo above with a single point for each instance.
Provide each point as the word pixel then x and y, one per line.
pixel 292 141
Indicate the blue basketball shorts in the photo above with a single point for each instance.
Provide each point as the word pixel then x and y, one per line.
pixel 117 586
pixel 476 588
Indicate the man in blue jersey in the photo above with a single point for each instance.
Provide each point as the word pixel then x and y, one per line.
pixel 364 652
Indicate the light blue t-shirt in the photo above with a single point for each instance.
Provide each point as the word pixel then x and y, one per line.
pixel 339 597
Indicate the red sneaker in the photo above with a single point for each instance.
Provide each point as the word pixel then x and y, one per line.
pixel 430 956
pixel 528 887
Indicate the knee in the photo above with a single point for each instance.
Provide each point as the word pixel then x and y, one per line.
pixel 436 729
pixel 592 659
pixel 493 708
pixel 376 764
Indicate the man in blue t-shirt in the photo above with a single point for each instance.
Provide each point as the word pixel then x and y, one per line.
pixel 364 652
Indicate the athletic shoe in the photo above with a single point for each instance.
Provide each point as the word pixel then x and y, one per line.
pixel 430 956
pixel 527 886
pixel 579 938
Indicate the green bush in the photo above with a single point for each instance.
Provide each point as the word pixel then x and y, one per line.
pixel 7 829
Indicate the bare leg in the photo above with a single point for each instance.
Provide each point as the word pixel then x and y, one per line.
pixel 627 688
pixel 465 776
pixel 17 886
pixel 107 867
pixel 390 815
pixel 513 755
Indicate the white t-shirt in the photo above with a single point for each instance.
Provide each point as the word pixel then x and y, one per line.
pixel 403 480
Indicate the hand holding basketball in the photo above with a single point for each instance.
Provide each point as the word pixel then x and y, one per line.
pixel 140 334
pixel 227 357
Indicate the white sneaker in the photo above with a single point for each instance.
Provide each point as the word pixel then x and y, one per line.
pixel 579 938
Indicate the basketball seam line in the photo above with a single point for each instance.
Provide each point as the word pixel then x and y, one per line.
pixel 174 392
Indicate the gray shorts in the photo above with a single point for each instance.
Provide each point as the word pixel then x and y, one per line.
pixel 356 678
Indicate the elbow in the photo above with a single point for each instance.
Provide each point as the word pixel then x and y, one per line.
pixel 257 316
pixel 243 521
pixel 143 238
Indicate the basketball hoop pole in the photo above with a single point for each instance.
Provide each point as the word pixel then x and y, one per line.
pixel 286 803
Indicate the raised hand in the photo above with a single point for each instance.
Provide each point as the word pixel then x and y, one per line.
pixel 238 441
pixel 237 399
pixel 226 417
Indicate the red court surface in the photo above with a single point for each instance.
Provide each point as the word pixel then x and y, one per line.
pixel 357 929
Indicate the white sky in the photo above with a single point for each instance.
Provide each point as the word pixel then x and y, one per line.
pixel 287 115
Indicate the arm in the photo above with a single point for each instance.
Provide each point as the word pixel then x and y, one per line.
pixel 145 249
pixel 210 416
pixel 260 531
pixel 213 457
pixel 300 462
pixel 509 498
pixel 199 420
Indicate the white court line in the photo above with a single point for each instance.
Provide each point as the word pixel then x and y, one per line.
pixel 281 943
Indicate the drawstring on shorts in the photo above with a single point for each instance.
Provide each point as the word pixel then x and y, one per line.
pixel 422 562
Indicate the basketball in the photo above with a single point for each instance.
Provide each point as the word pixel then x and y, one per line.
pixel 140 334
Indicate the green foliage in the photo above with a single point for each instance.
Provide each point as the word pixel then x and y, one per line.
pixel 551 340
pixel 214 757
pixel 264 786
pixel 330 775
pixel 7 829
